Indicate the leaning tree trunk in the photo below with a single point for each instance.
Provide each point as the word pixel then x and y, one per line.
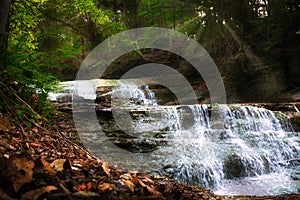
pixel 4 20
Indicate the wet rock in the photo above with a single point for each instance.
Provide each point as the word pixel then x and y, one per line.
pixel 234 167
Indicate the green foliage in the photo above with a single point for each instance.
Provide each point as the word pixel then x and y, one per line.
pixel 89 8
pixel 49 38
pixel 46 38
pixel 23 23
pixel 165 13
pixel 71 29
pixel 23 65
pixel 26 70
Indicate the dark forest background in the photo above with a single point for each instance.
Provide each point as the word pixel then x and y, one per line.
pixel 254 43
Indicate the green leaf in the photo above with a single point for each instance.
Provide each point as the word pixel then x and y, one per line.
pixel 36 117
pixel 20 114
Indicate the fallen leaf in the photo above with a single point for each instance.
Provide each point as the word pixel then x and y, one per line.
pixel 135 180
pixel 148 180
pixel 18 171
pixel 60 164
pixel 142 183
pixel 4 123
pixel 47 168
pixel 149 188
pixel 106 186
pixel 34 194
pixel 106 168
pixel 35 130
pixel 127 183
pixel 81 187
pixel 31 150
pixel 152 190
pixel 126 176
pixel 89 185
pixel 33 144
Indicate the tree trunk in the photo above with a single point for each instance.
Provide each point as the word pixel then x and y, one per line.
pixel 130 8
pixel 4 20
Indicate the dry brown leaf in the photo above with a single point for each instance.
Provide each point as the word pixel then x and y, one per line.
pixel 60 164
pixel 149 188
pixel 135 180
pixel 106 186
pixel 81 187
pixel 49 188
pixel 127 183
pixel 34 194
pixel 89 185
pixel 152 190
pixel 33 144
pixel 126 176
pixel 35 130
pixel 17 171
pixel 142 183
pixel 47 168
pixel 106 168
pixel 11 147
pixel 148 180
pixel 4 123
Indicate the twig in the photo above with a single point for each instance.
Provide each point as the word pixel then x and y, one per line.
pixel 22 129
pixel 36 124
pixel 22 101
pixel 295 107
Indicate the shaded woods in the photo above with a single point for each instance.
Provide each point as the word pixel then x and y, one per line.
pixel 254 43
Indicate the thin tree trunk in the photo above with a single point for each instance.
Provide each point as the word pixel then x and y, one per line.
pixel 4 20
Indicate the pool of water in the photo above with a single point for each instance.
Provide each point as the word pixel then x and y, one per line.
pixel 268 184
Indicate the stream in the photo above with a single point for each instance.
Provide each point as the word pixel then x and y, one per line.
pixel 230 149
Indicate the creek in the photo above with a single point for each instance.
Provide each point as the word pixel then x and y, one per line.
pixel 231 149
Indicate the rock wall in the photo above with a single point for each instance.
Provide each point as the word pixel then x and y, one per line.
pixel 247 78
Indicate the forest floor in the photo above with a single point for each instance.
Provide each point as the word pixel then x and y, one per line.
pixel 39 163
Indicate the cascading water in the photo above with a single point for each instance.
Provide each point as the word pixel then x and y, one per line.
pixel 137 95
pixel 241 141
pixel 211 146
pixel 231 149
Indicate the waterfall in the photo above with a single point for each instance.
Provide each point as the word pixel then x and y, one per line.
pixel 226 148
pixel 130 94
pixel 208 145
pixel 239 141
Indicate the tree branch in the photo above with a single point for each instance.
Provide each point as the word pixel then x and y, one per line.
pixel 54 18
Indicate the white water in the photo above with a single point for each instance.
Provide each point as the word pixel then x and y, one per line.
pixel 231 149
pixel 130 95
pixel 275 183
pixel 241 142
pixel 236 150
pixel 71 90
